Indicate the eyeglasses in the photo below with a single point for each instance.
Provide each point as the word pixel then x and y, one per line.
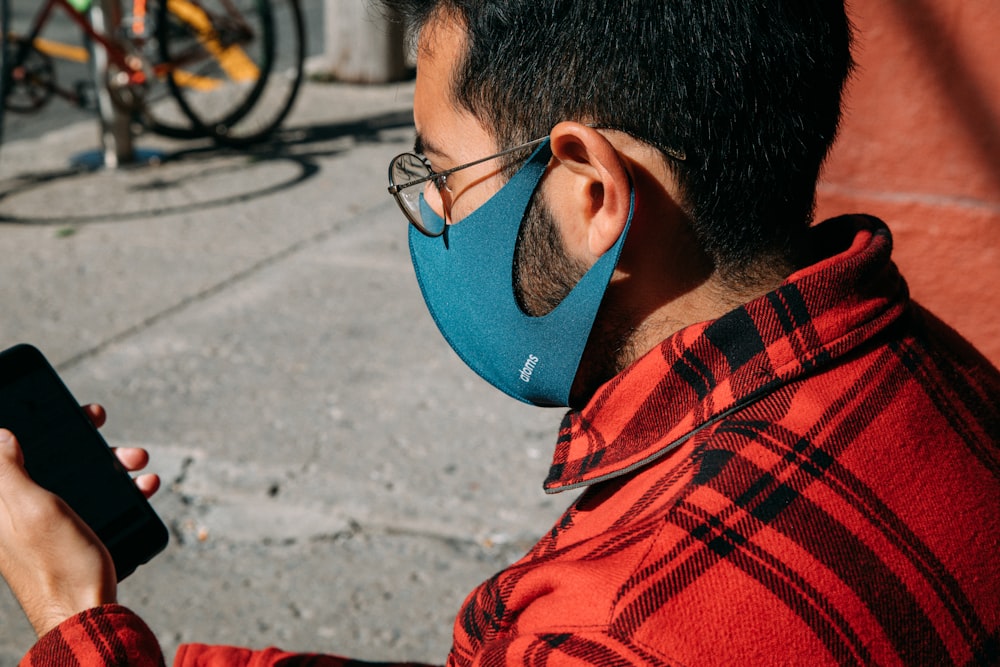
pixel 410 174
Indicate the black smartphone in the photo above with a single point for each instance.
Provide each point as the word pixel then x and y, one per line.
pixel 65 454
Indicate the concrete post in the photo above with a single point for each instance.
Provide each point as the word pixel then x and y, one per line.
pixel 362 44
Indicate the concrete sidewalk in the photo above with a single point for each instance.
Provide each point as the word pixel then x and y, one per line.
pixel 335 478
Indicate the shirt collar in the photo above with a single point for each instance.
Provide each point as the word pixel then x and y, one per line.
pixel 710 369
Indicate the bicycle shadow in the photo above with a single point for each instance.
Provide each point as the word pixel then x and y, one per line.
pixel 180 179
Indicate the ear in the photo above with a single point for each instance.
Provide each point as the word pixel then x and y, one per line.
pixel 596 189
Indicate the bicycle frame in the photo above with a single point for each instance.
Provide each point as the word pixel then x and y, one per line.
pixel 116 54
pixel 191 46
pixel 130 66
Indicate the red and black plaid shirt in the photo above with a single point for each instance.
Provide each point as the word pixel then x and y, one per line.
pixel 813 478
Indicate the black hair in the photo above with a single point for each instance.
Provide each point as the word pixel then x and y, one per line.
pixel 748 90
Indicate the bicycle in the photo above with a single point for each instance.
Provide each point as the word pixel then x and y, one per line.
pixel 233 67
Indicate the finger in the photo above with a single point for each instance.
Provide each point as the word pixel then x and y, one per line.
pixel 96 413
pixel 148 484
pixel 133 458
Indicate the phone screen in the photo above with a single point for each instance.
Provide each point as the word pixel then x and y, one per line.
pixel 65 454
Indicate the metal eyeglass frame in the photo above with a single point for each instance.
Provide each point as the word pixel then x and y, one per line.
pixel 439 179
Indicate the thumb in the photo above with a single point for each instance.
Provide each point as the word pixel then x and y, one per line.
pixel 12 472
pixel 10 450
pixel 52 562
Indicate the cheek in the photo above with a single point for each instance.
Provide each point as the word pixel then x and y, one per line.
pixel 433 198
pixel 544 273
pixel 465 197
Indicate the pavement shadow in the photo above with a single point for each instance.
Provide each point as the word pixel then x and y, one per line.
pixel 196 176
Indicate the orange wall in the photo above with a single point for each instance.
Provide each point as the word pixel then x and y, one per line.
pixel 920 148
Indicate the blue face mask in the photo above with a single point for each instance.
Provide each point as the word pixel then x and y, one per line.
pixel 466 277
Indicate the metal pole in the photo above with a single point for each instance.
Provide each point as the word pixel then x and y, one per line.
pixel 116 125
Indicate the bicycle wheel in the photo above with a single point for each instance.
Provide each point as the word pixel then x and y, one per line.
pixel 236 65
pixel 160 114
pixel 277 97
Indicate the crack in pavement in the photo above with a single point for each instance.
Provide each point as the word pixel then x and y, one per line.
pixel 217 288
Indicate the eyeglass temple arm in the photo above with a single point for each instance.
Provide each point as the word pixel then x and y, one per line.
pixel 393 189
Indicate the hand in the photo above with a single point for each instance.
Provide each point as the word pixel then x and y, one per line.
pixel 53 562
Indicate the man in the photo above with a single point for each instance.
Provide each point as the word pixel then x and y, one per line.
pixel 786 460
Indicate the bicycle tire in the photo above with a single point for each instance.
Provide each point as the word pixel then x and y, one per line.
pixel 281 89
pixel 238 64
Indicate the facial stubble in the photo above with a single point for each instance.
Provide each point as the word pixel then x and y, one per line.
pixel 544 275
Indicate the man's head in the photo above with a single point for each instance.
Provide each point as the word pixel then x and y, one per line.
pixel 697 126
pixel 749 92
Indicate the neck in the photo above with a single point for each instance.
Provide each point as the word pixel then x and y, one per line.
pixel 623 335
pixel 654 295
